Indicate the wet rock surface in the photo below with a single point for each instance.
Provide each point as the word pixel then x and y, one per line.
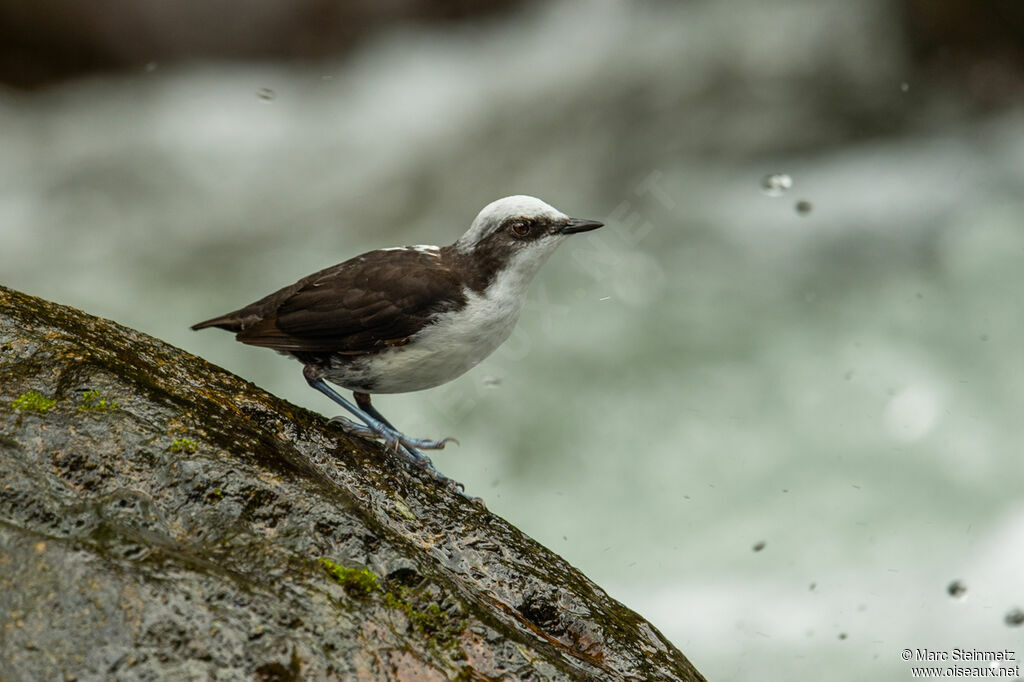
pixel 161 518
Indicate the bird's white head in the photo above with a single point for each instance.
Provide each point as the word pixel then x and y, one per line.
pixel 519 233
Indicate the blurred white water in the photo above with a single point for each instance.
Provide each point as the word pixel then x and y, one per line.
pixel 711 370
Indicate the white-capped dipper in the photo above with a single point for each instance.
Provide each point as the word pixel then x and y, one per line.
pixel 408 318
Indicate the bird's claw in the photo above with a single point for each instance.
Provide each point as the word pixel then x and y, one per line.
pixel 350 426
pixel 394 439
pixel 399 443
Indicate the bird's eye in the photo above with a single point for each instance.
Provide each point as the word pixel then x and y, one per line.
pixel 520 228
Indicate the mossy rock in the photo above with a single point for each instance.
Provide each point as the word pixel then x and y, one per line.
pixel 125 557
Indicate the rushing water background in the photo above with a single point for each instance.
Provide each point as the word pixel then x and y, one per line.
pixel 779 433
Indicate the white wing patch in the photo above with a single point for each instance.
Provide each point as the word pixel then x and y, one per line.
pixel 428 249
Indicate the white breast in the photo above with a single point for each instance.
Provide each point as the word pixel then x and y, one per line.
pixel 454 343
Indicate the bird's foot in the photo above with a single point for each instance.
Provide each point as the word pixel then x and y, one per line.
pixel 379 427
pixel 424 463
pixel 395 439
pixel 349 426
pixel 408 448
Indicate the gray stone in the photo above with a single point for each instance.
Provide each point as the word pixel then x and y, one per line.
pixel 203 529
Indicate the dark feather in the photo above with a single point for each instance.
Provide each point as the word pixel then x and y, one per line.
pixel 361 306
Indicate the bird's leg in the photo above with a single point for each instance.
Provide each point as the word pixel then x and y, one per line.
pixel 418 458
pixel 379 427
pixel 363 401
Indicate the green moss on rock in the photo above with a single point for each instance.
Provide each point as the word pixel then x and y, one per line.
pixel 183 445
pixel 93 401
pixel 426 617
pixel 358 581
pixel 33 401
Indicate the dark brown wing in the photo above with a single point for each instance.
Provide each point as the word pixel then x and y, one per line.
pixel 360 306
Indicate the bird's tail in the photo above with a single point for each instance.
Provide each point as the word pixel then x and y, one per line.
pixel 228 322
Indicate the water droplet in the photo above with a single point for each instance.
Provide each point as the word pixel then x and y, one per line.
pixel 983 337
pixel 759 545
pixel 848 376
pixel 842 635
pixel 904 86
pixel 492 382
pixel 803 207
pixel 956 589
pixel 813 587
pixel 776 184
pixel 1015 618
pixel 151 67
pixel 266 94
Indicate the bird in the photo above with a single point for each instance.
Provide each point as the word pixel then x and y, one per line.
pixel 403 319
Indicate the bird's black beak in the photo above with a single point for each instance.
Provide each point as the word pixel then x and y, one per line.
pixel 578 225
